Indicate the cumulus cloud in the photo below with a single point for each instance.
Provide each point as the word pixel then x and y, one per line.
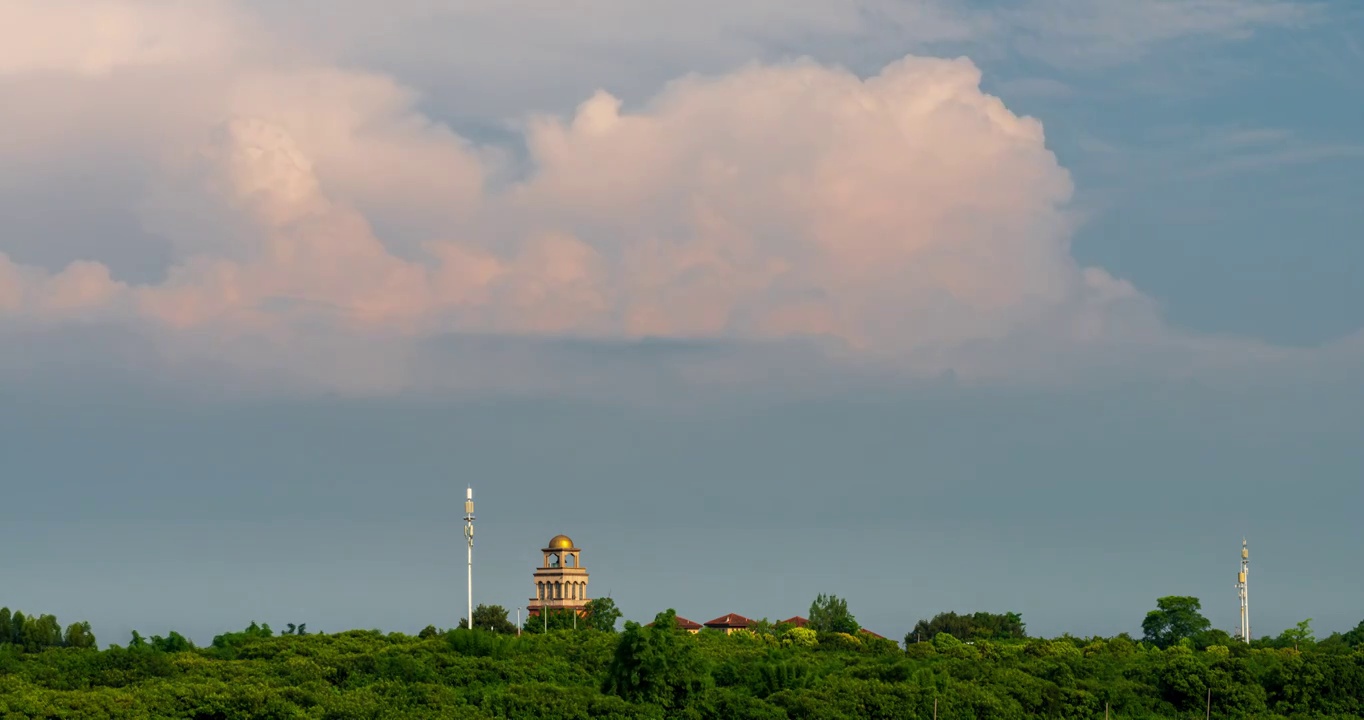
pixel 325 230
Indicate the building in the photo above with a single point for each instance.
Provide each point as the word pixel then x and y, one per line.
pixel 729 623
pixel 561 582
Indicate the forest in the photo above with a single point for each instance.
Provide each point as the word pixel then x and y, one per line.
pixel 978 665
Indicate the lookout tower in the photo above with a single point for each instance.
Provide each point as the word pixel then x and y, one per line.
pixel 561 582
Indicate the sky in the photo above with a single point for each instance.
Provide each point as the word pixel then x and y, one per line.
pixel 1037 306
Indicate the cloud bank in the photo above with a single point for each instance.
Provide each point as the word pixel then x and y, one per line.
pixel 320 229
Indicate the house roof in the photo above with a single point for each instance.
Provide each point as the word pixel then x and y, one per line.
pixel 798 621
pixel 732 620
pixel 868 632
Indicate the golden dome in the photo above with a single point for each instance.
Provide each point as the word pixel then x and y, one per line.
pixel 561 542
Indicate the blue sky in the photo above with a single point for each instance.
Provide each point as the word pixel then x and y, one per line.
pixel 256 335
pixel 1232 195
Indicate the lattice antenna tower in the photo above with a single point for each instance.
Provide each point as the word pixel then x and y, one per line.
pixel 1243 591
pixel 469 535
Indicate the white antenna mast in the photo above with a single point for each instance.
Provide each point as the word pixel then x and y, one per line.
pixel 469 534
pixel 1244 592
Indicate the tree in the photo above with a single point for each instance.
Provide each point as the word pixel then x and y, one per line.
pixel 602 614
pixel 1175 618
pixel 16 628
pixel 6 626
pixel 830 614
pixel 229 641
pixel 1355 636
pixel 78 635
pixel 172 643
pixel 763 626
pixel 43 632
pixel 1300 634
pixel 551 619
pixel 658 665
pixel 973 626
pixel 800 637
pixel 946 641
pixel 492 618
pixel 1213 637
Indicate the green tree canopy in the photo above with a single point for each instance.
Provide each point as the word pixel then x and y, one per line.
pixel 946 641
pixel 662 672
pixel 602 614
pixel 228 642
pixel 830 614
pixel 1298 635
pixel 552 619
pixel 16 632
pixel 40 633
pixel 1175 618
pixel 492 618
pixel 658 665
pixel 1354 637
pixel 172 643
pixel 1213 637
pixel 970 626
pixel 763 626
pixel 79 635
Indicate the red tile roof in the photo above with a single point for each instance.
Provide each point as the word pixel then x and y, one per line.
pixel 731 620
pixel 798 621
pixel 868 632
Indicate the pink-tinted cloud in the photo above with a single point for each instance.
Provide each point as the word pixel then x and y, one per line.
pixel 907 217
pixel 99 37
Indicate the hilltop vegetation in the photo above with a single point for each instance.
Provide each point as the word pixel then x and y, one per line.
pixel 659 672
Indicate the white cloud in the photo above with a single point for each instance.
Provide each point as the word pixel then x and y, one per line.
pixel 324 230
